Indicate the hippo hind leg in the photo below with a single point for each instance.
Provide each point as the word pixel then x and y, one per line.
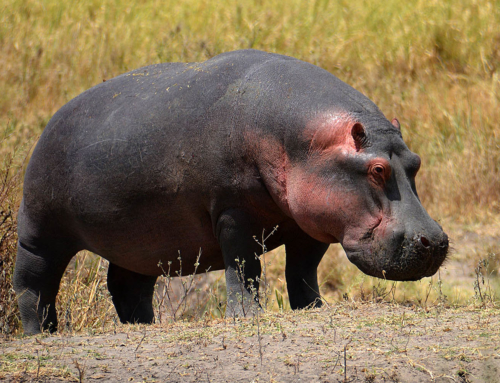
pixel 132 294
pixel 37 275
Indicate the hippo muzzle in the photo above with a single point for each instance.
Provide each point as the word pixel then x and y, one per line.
pixel 401 255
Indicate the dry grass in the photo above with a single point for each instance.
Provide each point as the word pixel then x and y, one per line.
pixel 10 185
pixel 84 302
pixel 434 65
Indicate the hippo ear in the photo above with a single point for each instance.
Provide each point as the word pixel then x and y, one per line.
pixel 359 136
pixel 395 123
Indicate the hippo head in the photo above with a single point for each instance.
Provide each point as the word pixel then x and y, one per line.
pixel 356 186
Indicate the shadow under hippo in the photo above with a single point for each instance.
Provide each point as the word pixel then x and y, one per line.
pixel 182 156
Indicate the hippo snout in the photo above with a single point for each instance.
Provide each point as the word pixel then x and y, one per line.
pixel 402 256
pixel 416 257
pixel 436 250
pixel 423 254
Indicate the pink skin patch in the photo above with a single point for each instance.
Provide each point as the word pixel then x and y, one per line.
pixel 332 132
pixel 324 208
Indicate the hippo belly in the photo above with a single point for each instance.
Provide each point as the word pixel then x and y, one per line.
pixel 138 240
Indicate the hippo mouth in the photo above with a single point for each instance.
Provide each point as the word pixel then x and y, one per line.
pixel 410 260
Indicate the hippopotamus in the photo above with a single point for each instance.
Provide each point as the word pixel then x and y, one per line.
pixel 177 157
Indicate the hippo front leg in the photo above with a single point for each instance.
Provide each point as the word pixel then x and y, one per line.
pixel 234 232
pixel 303 255
pixel 132 294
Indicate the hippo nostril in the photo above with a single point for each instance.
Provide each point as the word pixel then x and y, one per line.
pixel 424 241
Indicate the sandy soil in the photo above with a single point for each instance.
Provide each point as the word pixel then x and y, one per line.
pixel 354 342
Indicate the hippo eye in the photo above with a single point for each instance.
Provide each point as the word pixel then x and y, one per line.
pixel 380 172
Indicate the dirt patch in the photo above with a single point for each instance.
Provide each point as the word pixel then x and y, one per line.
pixel 363 342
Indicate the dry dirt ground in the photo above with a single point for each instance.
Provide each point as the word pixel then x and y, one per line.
pixel 347 342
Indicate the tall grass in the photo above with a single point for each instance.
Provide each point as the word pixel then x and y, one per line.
pixel 433 64
pixel 10 184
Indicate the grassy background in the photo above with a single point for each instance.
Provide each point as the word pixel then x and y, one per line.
pixel 433 64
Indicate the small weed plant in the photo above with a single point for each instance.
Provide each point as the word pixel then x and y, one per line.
pixel 484 294
pixel 176 306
